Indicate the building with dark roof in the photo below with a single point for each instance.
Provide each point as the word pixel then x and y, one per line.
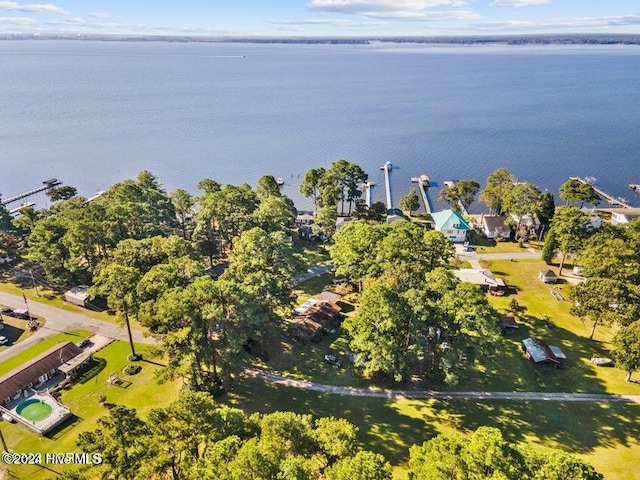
pixel 543 355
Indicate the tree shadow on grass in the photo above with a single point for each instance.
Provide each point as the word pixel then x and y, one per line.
pixel 382 428
pixel 578 427
pixel 64 427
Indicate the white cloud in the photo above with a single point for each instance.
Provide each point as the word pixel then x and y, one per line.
pixel 402 10
pixel 517 3
pixel 566 24
pixel 76 21
pixel 360 6
pixel 99 15
pixel 18 20
pixel 32 7
pixel 326 21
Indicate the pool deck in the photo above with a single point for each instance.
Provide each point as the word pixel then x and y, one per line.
pixel 58 415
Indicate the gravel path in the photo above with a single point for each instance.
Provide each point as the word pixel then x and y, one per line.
pixel 388 393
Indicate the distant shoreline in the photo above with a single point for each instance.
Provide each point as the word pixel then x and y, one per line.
pixel 551 39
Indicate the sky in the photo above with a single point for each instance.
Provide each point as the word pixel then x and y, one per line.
pixel 307 18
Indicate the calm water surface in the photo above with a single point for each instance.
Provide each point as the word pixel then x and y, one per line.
pixel 94 113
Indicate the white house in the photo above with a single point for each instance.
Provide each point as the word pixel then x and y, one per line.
pixel 493 226
pixel 595 221
pixel 623 215
pixel 452 225
pixel 483 278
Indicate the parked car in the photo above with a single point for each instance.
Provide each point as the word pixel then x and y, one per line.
pixel 83 343
pixel 333 360
pixel 3 340
pixel 6 310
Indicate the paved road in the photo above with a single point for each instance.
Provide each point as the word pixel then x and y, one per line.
pixel 387 393
pixel 61 321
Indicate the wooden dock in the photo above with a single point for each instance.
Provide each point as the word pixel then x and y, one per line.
pixel 387 167
pixel 423 185
pixel 613 201
pixel 367 193
pixel 46 185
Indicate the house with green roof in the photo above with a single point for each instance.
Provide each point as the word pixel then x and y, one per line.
pixel 452 225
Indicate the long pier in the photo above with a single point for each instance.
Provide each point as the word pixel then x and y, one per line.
pixel 387 184
pixel 423 185
pixel 46 185
pixel 613 201
pixel 367 193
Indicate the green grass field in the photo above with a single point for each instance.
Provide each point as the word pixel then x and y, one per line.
pixel 606 435
pixel 143 393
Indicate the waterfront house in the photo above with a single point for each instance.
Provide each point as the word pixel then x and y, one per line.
pixel 547 276
pixel 595 221
pixel 543 355
pixel 493 226
pixel 623 215
pixel 452 225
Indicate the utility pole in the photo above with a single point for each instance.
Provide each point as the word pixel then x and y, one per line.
pixel 4 444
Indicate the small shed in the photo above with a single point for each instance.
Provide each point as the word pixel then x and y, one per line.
pixel 543 355
pixel 548 276
pixel 507 323
pixel 327 296
pixel 216 271
pixel 77 295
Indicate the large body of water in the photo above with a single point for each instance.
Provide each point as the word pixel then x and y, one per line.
pixel 94 113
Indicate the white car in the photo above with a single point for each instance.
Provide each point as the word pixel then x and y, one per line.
pixel 3 340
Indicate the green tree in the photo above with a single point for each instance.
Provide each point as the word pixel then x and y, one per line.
pixel 626 348
pixel 574 191
pixel 499 183
pixel 117 283
pixel 364 466
pixel 183 203
pixel 547 209
pixel 568 232
pixel 275 213
pixel 605 301
pixel 120 439
pixel 265 264
pixel 410 202
pixel 460 194
pixel 381 331
pixel 310 186
pixel 484 454
pixel 267 187
pixel 522 199
pixel 61 193
pixel 613 252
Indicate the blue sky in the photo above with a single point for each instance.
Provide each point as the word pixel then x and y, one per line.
pixel 321 17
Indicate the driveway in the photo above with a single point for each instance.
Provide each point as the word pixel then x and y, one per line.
pixel 62 321
pixel 388 393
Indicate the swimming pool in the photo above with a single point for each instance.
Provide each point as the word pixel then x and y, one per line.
pixel 34 409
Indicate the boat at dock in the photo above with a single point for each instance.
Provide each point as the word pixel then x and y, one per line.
pixel 635 187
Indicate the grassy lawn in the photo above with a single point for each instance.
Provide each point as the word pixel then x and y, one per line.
pixel 143 394
pixel 47 343
pixel 313 253
pixel 16 330
pixel 604 434
pixel 509 370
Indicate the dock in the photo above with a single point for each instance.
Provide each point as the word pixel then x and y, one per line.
pixel 613 201
pixel 387 167
pixel 46 185
pixel 367 193
pixel 423 185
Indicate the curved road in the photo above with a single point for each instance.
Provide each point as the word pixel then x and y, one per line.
pixel 387 393
pixel 60 321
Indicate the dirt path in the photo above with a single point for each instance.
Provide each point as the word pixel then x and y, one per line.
pixel 388 393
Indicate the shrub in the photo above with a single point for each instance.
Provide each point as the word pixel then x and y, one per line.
pixel 131 369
